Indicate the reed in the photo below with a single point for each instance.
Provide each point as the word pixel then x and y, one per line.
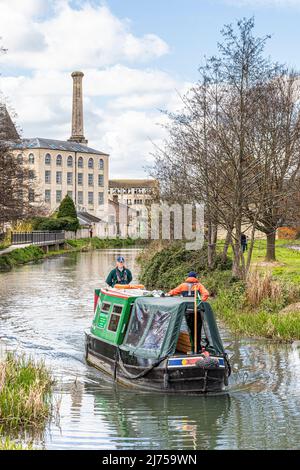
pixel 262 289
pixel 231 307
pixel 25 392
pixel 261 286
pixel 8 444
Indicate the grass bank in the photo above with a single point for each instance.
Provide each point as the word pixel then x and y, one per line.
pixel 4 244
pixel 255 308
pixel 105 243
pixel 25 399
pixel 34 253
pixel 8 444
pixel 265 318
pixel 25 393
pixel 20 256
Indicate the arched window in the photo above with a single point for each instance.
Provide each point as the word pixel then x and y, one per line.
pixel 70 161
pixel 101 164
pixel 47 159
pixel 20 158
pixel 80 162
pixel 31 158
pixel 91 163
pixel 59 160
pixel 31 195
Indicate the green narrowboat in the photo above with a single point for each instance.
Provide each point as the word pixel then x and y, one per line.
pixel 156 343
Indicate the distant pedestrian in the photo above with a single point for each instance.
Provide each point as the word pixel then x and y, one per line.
pixel 91 233
pixel 244 242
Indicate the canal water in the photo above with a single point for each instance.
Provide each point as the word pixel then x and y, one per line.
pixel 44 310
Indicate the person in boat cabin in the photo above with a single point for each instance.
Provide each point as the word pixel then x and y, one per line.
pixel 119 275
pixel 188 287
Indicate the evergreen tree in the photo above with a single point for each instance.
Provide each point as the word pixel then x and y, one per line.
pixel 67 215
pixel 67 208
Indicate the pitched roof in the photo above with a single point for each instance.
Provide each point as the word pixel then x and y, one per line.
pixel 8 130
pixel 51 144
pixel 121 205
pixel 133 183
pixel 87 218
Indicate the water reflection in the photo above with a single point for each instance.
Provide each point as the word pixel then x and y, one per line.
pixel 44 309
pixel 124 420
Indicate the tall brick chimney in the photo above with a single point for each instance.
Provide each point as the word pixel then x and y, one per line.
pixel 77 110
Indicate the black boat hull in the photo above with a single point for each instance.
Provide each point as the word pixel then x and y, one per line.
pixel 162 378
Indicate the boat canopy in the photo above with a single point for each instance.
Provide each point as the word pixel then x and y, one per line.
pixel 155 324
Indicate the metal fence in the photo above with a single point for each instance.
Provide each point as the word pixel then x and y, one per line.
pixel 37 237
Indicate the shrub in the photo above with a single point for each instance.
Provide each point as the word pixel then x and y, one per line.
pixel 63 223
pixel 5 263
pixel 169 266
pixel 64 219
pixel 37 221
pixel 67 208
pixel 289 233
pixel 49 224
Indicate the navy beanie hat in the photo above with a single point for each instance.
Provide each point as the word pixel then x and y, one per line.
pixel 192 274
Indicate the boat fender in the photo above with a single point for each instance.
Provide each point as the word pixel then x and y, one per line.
pixel 228 364
pixel 166 380
pixel 116 366
pixel 166 377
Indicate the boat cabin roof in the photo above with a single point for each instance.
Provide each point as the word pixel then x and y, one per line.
pixel 155 323
pixel 149 326
pixel 123 293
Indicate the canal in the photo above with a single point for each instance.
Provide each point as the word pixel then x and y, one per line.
pixel 44 310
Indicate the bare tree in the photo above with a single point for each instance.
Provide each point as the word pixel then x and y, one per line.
pixel 18 196
pixel 212 147
pixel 17 191
pixel 277 128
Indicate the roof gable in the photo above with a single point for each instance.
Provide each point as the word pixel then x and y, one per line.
pixel 8 130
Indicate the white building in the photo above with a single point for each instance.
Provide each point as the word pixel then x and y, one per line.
pixel 67 167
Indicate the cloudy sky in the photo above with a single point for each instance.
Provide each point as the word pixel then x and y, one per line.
pixel 137 57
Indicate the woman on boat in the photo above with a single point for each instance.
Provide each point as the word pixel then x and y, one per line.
pixel 188 287
pixel 119 275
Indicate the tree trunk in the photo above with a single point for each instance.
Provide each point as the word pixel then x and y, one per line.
pixel 226 246
pixel 271 237
pixel 211 245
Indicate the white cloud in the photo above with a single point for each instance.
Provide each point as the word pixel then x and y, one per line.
pixel 70 38
pixel 121 80
pixel 122 95
pixel 138 100
pixel 121 110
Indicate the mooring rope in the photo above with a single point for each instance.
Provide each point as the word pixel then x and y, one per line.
pixel 127 374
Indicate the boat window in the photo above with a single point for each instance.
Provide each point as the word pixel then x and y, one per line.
pixel 146 330
pixel 157 331
pixel 115 318
pixel 105 307
pixel 117 309
pixel 114 322
pixel 137 326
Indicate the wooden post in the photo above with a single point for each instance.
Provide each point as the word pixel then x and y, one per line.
pixel 195 321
